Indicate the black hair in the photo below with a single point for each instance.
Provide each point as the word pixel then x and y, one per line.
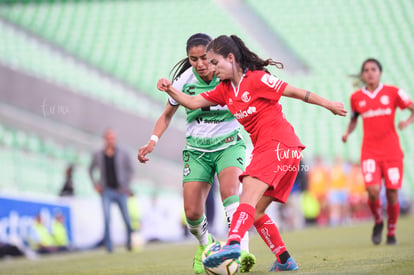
pixel 193 41
pixel 248 60
pixel 358 82
pixel 371 60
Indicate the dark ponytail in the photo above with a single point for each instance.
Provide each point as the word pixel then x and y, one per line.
pixel 193 41
pixel 248 60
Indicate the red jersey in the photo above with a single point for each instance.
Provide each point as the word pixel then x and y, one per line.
pixel 255 104
pixel 377 109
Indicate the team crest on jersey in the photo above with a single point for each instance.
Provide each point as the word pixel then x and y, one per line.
pixel 228 139
pixel 362 103
pixel 186 170
pixel 270 80
pixel 246 96
pixel 385 100
pixel 230 101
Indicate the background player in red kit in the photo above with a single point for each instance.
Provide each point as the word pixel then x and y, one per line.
pixel 381 155
pixel 252 96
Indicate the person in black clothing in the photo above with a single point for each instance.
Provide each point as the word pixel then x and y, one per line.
pixel 113 184
pixel 67 189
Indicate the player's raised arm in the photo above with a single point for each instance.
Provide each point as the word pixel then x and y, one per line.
pixel 335 107
pixel 190 102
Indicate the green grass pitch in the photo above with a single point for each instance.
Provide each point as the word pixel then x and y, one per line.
pixel 339 250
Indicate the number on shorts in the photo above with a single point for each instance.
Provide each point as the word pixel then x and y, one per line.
pixel 368 166
pixel 186 157
pixel 394 175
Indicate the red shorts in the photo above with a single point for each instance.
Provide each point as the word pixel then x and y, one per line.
pixel 391 170
pixel 277 166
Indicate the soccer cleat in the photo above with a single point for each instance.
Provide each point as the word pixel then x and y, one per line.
pixel 289 265
pixel 377 233
pixel 231 251
pixel 391 240
pixel 247 261
pixel 197 263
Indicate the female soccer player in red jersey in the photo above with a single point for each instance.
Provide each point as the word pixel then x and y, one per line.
pixel 213 146
pixel 252 96
pixel 381 155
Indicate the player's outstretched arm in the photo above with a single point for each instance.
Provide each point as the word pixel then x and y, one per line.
pixel 404 123
pixel 335 107
pixel 190 102
pixel 160 127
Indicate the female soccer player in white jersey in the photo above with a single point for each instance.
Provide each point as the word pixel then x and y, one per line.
pixel 381 154
pixel 213 146
pixel 252 95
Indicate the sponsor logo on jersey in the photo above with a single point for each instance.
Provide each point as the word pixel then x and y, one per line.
pixel 246 113
pixel 246 96
pixel 209 121
pixel 362 103
pixel 385 100
pixel 377 112
pixel 271 81
pixel 190 90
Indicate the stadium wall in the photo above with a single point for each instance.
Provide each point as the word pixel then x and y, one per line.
pixel 51 102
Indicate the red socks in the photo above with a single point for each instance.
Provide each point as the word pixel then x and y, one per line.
pixel 393 211
pixel 242 220
pixel 267 229
pixel 376 210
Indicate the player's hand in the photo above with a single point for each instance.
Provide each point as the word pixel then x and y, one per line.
pixel 144 150
pixel 344 138
pixel 337 108
pixel 403 124
pixel 97 187
pixel 163 84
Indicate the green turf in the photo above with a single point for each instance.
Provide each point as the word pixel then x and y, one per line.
pixel 341 250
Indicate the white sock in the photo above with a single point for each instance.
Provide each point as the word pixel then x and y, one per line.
pixel 199 229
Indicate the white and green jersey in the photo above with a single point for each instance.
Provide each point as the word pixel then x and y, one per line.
pixel 209 129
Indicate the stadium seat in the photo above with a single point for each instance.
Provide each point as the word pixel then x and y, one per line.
pixel 121 39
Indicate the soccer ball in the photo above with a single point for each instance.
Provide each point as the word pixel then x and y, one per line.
pixel 228 267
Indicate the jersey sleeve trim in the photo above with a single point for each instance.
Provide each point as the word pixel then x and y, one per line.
pixel 172 101
pixel 206 95
pixel 405 99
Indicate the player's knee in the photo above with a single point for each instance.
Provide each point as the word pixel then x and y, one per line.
pixel 392 196
pixel 193 214
pixel 373 193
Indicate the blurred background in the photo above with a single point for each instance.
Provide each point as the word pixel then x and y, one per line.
pixel 71 69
